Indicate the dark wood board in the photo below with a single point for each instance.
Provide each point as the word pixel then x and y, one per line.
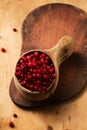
pixel 42 29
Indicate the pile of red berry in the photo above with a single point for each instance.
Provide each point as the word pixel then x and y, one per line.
pixel 35 71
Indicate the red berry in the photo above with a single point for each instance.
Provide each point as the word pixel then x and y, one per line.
pixel 39 70
pixel 44 88
pixel 32 55
pixel 42 60
pixel 40 89
pixel 51 80
pixel 24 83
pixel 11 124
pixel 51 70
pixel 28 57
pixel 38 82
pixel 34 59
pixel 45 76
pixel 47 58
pixel 29 76
pixel 30 64
pixel 14 29
pixel 3 50
pixel 18 68
pixel 48 67
pixel 34 75
pixel 36 53
pixel 22 75
pixel 44 65
pixel 31 70
pixel 54 75
pixel 36 87
pixel 35 71
pixel 44 83
pixel 31 87
pixel 44 70
pixel 18 73
pixel 42 55
pixel 34 64
pixel 15 115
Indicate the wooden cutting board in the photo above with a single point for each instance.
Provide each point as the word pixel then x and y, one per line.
pixel 41 29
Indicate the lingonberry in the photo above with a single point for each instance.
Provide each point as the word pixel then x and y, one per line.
pixel 31 86
pixel 45 76
pixel 44 65
pixel 44 88
pixel 30 64
pixel 34 64
pixel 31 70
pixel 3 50
pixel 21 75
pixel 42 55
pixel 40 89
pixel 21 61
pixel 35 71
pixel 51 70
pixel 38 82
pixel 36 53
pixel 44 70
pixel 29 76
pixel 36 88
pixel 24 83
pixel 42 60
pixel 47 58
pixel 38 75
pixel 28 57
pixel 15 115
pixel 39 70
pixel 54 75
pixel 18 68
pixel 15 30
pixel 48 67
pixel 34 75
pixel 11 124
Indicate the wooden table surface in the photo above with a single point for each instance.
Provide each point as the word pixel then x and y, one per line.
pixel 69 115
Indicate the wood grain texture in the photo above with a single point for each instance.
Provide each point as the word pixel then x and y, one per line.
pixel 71 115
